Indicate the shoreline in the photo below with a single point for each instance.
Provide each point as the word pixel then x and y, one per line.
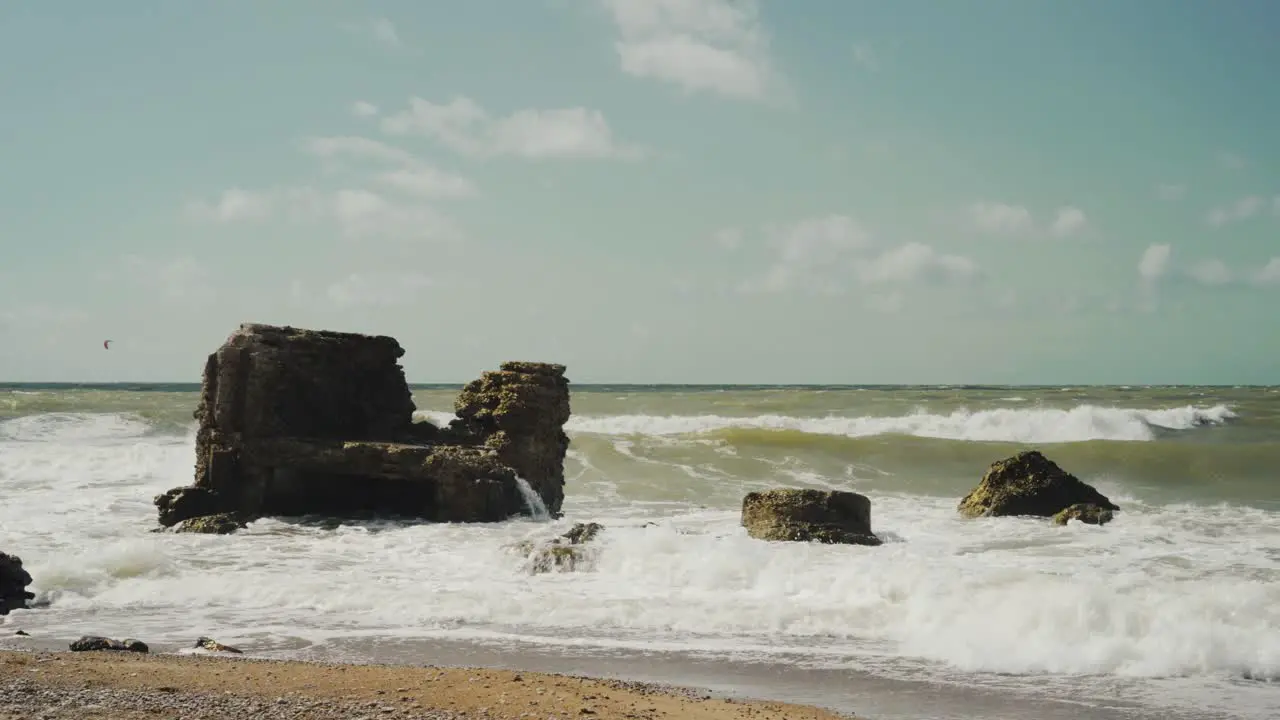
pixel 717 685
pixel 64 684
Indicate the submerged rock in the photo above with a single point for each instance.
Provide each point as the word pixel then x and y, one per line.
pixel 13 584
pixel 306 422
pixel 1029 484
pixel 220 524
pixel 208 643
pixel 805 515
pixel 92 643
pixel 567 553
pixel 1084 512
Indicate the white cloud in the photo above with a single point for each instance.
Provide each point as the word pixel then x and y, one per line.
pixel 1170 192
pixel 235 204
pixel 377 289
pixel 358 213
pixel 713 46
pixel 1154 262
pixel 823 255
pixel 176 279
pixel 1001 219
pixel 1269 274
pixel 384 31
pixel 1070 221
pixel 428 182
pixel 728 238
pixel 1242 209
pixel 1231 161
pixel 915 262
pixel 464 126
pixel 360 108
pixel 865 56
pixel 1211 272
pixel 998 218
pixel 356 147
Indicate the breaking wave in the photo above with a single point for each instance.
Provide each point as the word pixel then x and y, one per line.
pixel 1019 425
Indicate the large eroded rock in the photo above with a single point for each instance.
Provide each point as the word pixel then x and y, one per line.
pixel 805 515
pixel 1029 484
pixel 306 422
pixel 13 584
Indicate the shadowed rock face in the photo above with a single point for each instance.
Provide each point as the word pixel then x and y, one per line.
pixel 13 584
pixel 302 422
pixel 1029 484
pixel 804 515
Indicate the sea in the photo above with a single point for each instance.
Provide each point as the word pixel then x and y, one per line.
pixel 1170 611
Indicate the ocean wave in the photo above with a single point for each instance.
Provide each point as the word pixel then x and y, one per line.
pixel 73 427
pixel 1025 425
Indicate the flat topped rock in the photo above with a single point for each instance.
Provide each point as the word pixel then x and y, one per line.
pixel 533 368
pixel 808 515
pixel 1029 484
pixel 294 421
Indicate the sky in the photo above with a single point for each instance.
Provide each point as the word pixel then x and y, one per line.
pixel 650 191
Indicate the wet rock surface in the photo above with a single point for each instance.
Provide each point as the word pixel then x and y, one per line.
pixel 1029 484
pixel 93 643
pixel 806 515
pixel 568 552
pixel 297 422
pixel 14 580
pixel 1085 513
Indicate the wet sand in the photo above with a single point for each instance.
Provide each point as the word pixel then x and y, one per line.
pixel 56 685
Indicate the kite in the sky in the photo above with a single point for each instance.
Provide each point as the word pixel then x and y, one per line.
pixel 106 344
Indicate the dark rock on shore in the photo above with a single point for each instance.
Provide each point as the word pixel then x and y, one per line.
pixel 1085 513
pixel 13 584
pixel 805 515
pixel 91 643
pixel 306 422
pixel 1029 484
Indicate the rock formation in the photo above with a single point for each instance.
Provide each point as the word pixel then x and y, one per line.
pixel 1029 484
pixel 1085 513
pixel 93 643
pixel 567 552
pixel 307 422
pixel 804 515
pixel 13 584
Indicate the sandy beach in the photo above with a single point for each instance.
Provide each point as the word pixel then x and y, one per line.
pixel 56 685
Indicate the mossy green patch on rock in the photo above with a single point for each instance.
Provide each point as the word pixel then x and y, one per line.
pixel 806 515
pixel 1029 484
pixel 220 524
pixel 566 552
pixel 1085 513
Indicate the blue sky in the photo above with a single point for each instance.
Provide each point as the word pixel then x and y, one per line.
pixel 828 191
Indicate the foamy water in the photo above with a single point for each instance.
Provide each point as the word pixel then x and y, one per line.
pixel 1170 605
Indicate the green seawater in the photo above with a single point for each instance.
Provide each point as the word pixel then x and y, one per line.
pixel 705 444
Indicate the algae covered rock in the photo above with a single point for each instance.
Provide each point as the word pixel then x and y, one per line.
pixel 13 584
pixel 184 503
pixel 1085 513
pixel 1029 484
pixel 806 515
pixel 567 553
pixel 220 524
pixel 92 643
pixel 208 643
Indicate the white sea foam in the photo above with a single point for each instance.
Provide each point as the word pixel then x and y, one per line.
pixel 1161 591
pixel 1025 425
pixel 1083 422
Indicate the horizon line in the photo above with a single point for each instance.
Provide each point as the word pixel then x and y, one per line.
pixel 451 384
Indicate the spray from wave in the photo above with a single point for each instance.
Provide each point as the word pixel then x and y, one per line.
pixel 1021 425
